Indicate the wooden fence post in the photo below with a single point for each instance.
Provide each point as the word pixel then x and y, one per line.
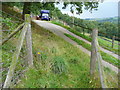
pixel 100 67
pixel 113 38
pixel 15 58
pixel 95 55
pixel 93 51
pixel 29 41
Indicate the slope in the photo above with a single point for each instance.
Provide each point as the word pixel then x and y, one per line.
pixel 73 61
pixel 60 32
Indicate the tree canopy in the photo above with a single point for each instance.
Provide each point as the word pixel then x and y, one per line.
pixel 35 7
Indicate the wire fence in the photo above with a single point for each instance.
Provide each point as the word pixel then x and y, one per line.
pixel 19 63
pixel 9 51
pixel 109 77
pixel 87 29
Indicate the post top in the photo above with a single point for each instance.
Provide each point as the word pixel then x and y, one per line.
pixel 27 18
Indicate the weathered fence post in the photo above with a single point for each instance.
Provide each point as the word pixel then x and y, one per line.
pixel 29 40
pixel 93 51
pixel 15 58
pixel 95 56
pixel 100 67
pixel 113 38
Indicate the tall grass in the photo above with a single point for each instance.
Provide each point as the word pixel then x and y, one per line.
pixel 59 66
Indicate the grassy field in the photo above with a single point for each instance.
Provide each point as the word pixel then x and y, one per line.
pixel 61 64
pixel 105 56
pixel 105 44
pixel 109 75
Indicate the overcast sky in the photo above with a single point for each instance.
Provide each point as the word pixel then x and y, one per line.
pixel 109 8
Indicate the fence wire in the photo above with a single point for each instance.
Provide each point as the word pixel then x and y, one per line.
pixel 111 78
pixel 8 26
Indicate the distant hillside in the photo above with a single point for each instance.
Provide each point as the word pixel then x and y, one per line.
pixel 111 19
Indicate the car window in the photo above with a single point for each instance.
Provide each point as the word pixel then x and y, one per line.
pixel 44 14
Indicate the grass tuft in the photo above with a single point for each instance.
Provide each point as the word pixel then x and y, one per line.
pixel 59 66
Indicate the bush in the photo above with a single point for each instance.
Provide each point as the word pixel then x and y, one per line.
pixel 59 66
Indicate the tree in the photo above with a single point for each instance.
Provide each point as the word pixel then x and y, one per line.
pixel 50 5
pixel 79 5
pixel 26 8
pixel 34 7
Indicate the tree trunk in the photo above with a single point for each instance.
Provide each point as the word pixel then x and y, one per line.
pixel 26 8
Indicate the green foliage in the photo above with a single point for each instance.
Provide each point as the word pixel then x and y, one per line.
pixel 41 75
pixel 59 66
pixel 78 6
pixel 13 4
pixel 106 29
pixel 111 19
pixel 109 29
pixel 8 23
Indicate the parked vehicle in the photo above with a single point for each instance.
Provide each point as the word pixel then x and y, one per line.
pixel 44 15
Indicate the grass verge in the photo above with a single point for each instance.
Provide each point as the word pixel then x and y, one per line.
pixel 105 56
pixel 105 44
